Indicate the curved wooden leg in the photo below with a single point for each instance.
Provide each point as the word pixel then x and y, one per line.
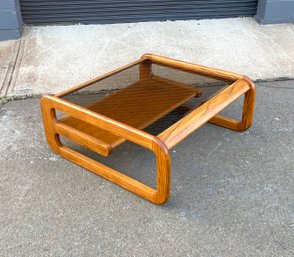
pixel 163 167
pixel 49 115
pixel 247 115
pixel 157 196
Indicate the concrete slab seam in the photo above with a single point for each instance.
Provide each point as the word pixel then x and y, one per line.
pixel 11 69
pixel 17 64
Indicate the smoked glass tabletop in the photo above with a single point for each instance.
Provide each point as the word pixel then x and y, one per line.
pixel 151 101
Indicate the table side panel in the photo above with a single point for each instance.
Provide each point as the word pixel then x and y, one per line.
pixel 180 130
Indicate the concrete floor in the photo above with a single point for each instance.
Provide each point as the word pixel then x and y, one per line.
pixel 50 59
pixel 232 193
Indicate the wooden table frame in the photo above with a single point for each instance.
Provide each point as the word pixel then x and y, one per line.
pixel 160 144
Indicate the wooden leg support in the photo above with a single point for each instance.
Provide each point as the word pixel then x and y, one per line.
pixel 157 196
pixel 247 115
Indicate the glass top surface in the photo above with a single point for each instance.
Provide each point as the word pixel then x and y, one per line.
pixel 147 97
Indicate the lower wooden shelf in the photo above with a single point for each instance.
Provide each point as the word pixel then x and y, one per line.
pixel 138 105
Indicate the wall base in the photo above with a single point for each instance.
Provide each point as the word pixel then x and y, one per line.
pixel 9 34
pixel 10 20
pixel 275 11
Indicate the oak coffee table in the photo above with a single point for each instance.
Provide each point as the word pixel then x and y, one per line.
pixel 126 101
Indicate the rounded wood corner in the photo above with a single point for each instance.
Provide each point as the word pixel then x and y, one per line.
pixel 250 83
pixel 159 200
pixel 146 56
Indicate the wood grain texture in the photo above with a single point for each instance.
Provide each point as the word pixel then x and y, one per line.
pixel 247 114
pixel 49 106
pixel 181 129
pixel 226 122
pixel 145 69
pixel 49 117
pixel 83 138
pixel 100 121
pixel 110 174
pixel 192 68
pixel 118 117
pixel 137 105
pixel 163 167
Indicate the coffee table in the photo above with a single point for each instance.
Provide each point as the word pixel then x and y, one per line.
pixel 130 99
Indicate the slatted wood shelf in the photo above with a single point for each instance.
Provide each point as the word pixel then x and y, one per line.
pixel 137 105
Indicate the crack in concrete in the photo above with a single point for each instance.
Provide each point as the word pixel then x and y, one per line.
pixel 11 68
